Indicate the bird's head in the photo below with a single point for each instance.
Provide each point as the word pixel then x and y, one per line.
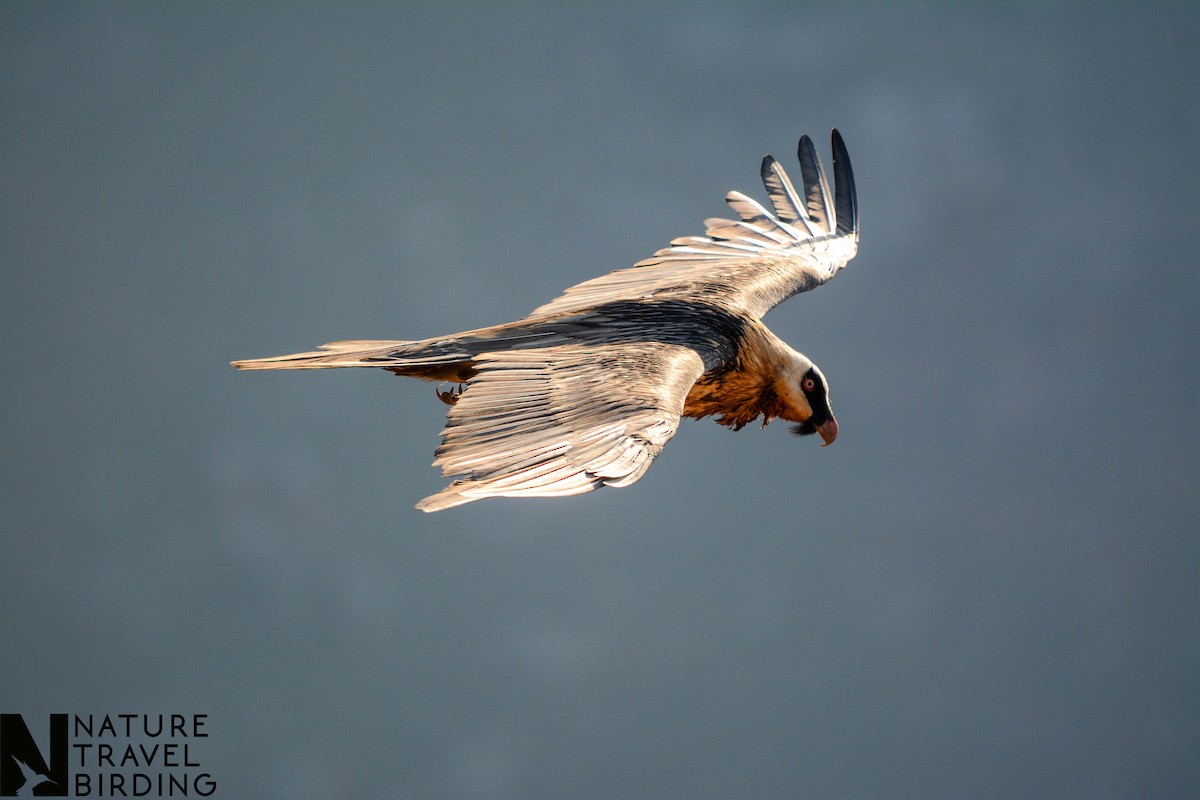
pixel 804 389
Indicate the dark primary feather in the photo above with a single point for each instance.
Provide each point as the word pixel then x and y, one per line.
pixel 846 197
pixel 788 205
pixel 816 188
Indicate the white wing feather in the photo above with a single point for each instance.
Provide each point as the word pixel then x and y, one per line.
pixel 750 264
pixel 562 420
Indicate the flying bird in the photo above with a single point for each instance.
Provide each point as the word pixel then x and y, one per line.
pixel 586 390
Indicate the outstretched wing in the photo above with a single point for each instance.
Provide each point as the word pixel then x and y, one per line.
pixel 562 420
pixel 755 262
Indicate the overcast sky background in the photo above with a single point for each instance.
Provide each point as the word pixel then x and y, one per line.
pixel 988 588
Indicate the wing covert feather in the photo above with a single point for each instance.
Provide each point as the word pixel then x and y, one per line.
pixel 562 420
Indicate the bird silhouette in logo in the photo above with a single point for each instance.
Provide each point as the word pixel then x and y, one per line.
pixel 586 390
pixel 33 778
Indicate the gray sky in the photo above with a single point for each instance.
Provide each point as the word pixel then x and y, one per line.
pixel 987 588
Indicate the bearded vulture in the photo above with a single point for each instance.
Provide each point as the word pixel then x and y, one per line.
pixel 585 391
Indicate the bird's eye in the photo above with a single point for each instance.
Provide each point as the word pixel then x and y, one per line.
pixel 808 384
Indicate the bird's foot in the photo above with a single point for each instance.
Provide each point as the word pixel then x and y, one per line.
pixel 451 395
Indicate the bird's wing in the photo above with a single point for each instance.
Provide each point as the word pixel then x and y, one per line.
pixel 755 262
pixel 562 420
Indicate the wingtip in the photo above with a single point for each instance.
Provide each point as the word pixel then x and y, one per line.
pixel 845 195
pixel 765 169
pixel 806 152
pixel 837 143
pixel 818 200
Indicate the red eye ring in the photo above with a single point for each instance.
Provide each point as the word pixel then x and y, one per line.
pixel 808 384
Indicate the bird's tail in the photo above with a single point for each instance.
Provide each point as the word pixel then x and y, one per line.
pixel 436 360
pixel 449 358
pixel 351 353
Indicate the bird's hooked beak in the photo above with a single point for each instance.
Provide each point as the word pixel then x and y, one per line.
pixel 828 430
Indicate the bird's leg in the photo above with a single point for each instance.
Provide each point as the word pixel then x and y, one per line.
pixel 451 395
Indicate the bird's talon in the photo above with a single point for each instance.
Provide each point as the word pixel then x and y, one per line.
pixel 451 395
